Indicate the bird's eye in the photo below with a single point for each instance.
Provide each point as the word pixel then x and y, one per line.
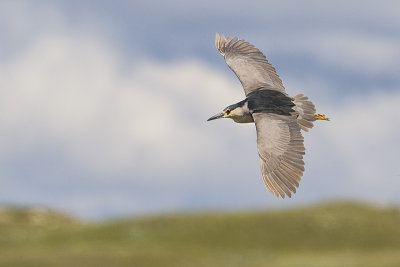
pixel 228 111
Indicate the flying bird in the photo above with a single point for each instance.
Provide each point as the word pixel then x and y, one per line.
pixel 279 118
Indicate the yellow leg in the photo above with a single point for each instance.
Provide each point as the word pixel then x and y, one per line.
pixel 321 117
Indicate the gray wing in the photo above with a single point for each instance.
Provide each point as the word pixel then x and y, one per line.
pixel 281 149
pixel 249 64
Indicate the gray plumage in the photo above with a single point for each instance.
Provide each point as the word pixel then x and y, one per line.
pixel 278 118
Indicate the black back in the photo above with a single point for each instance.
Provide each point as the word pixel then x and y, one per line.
pixel 269 101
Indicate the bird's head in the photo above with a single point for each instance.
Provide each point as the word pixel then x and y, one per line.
pixel 237 112
pixel 224 114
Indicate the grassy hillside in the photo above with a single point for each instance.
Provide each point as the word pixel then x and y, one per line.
pixel 326 235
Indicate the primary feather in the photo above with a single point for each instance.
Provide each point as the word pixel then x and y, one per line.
pixel 249 64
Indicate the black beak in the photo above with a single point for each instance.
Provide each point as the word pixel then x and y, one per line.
pixel 218 116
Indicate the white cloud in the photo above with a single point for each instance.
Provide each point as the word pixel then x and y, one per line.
pixel 149 118
pixel 357 52
pixel 366 132
pixel 73 93
pixel 63 87
pixel 357 152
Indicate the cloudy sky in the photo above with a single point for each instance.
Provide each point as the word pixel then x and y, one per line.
pixel 103 104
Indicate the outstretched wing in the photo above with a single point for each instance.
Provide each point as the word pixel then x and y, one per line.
pixel 281 149
pixel 249 64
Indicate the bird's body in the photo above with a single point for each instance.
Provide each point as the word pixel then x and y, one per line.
pixel 278 117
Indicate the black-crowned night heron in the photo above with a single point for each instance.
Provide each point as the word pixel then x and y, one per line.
pixel 277 116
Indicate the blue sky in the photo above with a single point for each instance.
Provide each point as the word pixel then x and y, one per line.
pixel 104 104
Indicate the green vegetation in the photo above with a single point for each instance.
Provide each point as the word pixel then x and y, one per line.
pixel 327 235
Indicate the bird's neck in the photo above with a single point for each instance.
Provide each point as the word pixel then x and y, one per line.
pixel 242 114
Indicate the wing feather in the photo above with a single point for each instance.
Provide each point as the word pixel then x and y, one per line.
pixel 281 184
pixel 249 64
pixel 281 149
pixel 292 180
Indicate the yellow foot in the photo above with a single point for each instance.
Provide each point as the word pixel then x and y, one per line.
pixel 321 117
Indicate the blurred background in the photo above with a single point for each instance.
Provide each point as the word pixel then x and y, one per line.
pixel 103 104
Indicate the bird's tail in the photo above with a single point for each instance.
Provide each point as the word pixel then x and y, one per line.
pixel 306 113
